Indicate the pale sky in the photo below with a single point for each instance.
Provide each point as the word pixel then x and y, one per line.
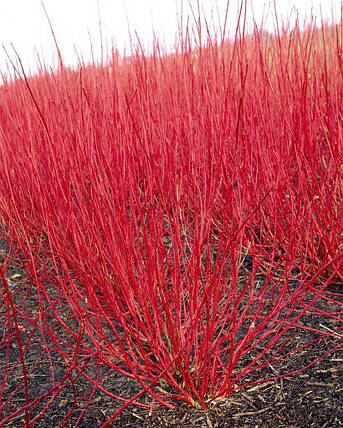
pixel 24 24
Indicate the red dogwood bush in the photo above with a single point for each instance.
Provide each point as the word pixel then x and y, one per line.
pixel 174 216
